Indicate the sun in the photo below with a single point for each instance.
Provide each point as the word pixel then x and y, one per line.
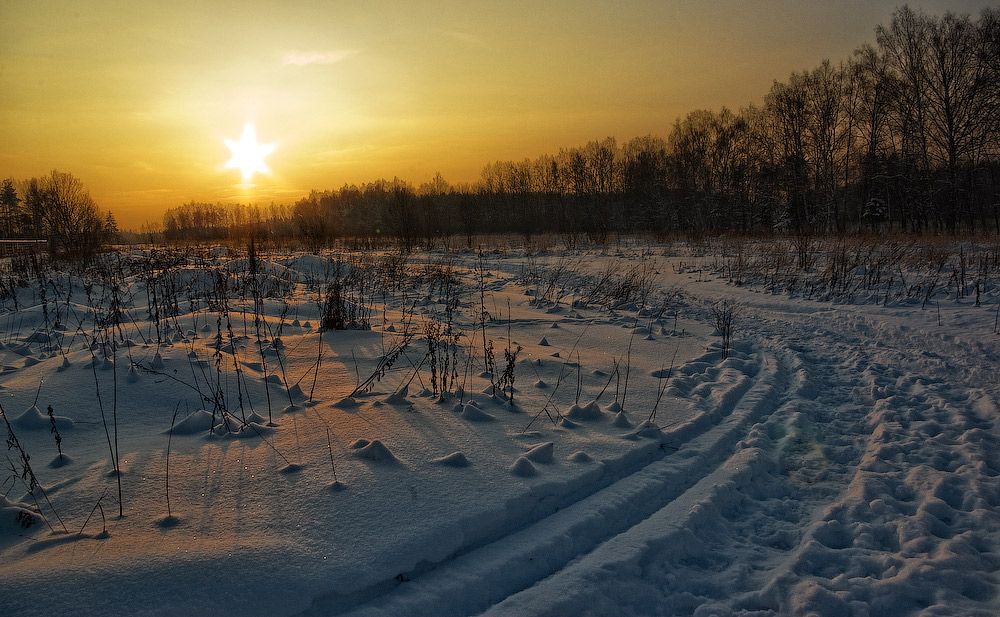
pixel 248 155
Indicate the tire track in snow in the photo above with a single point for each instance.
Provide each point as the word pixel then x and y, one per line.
pixel 474 581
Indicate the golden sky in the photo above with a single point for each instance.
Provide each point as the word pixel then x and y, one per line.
pixel 137 98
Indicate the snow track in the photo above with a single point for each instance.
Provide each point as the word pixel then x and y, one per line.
pixel 691 455
pixel 832 478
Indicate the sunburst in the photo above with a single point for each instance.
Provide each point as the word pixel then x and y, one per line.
pixel 248 155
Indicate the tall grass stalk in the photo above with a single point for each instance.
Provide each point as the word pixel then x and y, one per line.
pixel 28 475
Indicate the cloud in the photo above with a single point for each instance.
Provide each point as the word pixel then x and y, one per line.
pixel 305 58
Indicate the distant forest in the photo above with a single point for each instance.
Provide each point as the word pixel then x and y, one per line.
pixel 903 136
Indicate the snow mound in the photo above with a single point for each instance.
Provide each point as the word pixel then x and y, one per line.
pixel 375 451
pixel 542 453
pixel 580 457
pixel 34 420
pixel 346 403
pixel 15 518
pixel 60 461
pixel 544 342
pixel 235 430
pixel 295 391
pixel 522 467
pixel 197 422
pixel 646 429
pixel 621 421
pixel 256 418
pixel 455 459
pixel 474 414
pixel 398 398
pixel 586 412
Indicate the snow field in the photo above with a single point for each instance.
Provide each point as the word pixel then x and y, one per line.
pixel 841 460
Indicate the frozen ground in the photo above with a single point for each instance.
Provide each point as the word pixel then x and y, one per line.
pixel 843 460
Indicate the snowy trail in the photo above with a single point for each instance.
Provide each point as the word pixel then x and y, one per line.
pixel 470 582
pixel 842 481
pixel 723 538
pixel 888 508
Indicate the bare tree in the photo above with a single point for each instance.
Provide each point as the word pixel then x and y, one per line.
pixel 62 209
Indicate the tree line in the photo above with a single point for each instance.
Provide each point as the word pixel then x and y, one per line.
pixel 904 135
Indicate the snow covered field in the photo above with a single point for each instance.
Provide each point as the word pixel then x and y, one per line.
pixel 841 458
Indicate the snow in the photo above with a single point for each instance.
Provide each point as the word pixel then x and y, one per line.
pixel 841 460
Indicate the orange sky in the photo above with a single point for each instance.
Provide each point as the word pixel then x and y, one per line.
pixel 137 98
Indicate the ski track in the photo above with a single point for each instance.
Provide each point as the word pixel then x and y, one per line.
pixel 795 490
pixel 474 580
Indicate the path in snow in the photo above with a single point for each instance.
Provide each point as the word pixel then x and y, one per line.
pixel 836 478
